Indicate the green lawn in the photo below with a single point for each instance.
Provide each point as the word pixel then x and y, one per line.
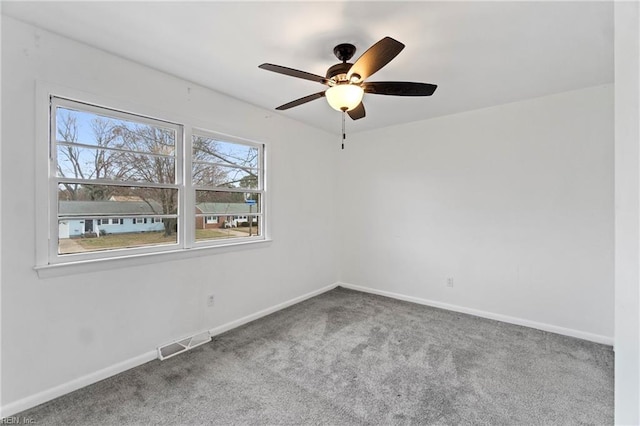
pixel 125 240
pixel 254 230
pixel 208 234
pixel 112 241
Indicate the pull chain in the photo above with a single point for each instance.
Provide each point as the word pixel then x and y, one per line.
pixel 344 135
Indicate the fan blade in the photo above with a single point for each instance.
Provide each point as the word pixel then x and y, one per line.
pixel 357 113
pixel 399 88
pixel 294 73
pixel 301 101
pixel 378 55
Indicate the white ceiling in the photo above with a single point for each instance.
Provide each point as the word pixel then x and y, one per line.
pixel 479 54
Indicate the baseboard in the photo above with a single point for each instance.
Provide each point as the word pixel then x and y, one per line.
pixel 65 388
pixel 237 323
pixel 484 314
pixel 31 401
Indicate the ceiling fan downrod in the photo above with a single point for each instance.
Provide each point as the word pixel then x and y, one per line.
pixel 344 134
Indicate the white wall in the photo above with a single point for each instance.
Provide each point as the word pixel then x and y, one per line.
pixel 58 330
pixel 1 222
pixel 627 213
pixel 514 202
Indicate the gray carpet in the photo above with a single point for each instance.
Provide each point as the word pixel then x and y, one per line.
pixel 346 357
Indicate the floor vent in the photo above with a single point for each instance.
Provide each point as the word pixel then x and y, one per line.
pixel 180 346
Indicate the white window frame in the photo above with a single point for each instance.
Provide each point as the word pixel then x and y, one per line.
pixel 261 223
pixel 59 101
pixel 50 263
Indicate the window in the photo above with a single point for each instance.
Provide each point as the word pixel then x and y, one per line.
pixel 229 183
pixel 147 177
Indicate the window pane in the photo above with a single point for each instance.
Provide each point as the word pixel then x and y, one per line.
pixel 234 212
pixel 87 163
pixel 228 226
pixel 206 174
pixel 82 235
pixel 211 150
pixel 107 217
pixel 110 200
pixel 90 128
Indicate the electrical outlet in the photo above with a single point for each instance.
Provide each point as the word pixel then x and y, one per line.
pixel 450 282
pixel 211 300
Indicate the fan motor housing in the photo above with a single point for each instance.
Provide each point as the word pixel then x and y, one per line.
pixel 338 69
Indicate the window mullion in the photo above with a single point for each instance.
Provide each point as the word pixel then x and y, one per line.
pixel 107 182
pixel 53 233
pixel 223 189
pixel 262 184
pixel 188 194
pixel 112 149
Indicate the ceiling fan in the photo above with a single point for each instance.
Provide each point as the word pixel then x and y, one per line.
pixel 347 83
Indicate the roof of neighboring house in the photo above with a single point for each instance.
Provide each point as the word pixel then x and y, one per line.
pixel 125 198
pixel 109 208
pixel 225 208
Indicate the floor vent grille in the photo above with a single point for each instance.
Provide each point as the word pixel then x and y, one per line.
pixel 183 345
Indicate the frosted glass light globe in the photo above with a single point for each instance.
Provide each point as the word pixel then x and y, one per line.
pixel 344 97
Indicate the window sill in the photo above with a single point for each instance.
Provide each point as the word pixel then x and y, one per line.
pixel 94 265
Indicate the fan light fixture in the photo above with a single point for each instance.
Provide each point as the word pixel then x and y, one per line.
pixel 344 97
